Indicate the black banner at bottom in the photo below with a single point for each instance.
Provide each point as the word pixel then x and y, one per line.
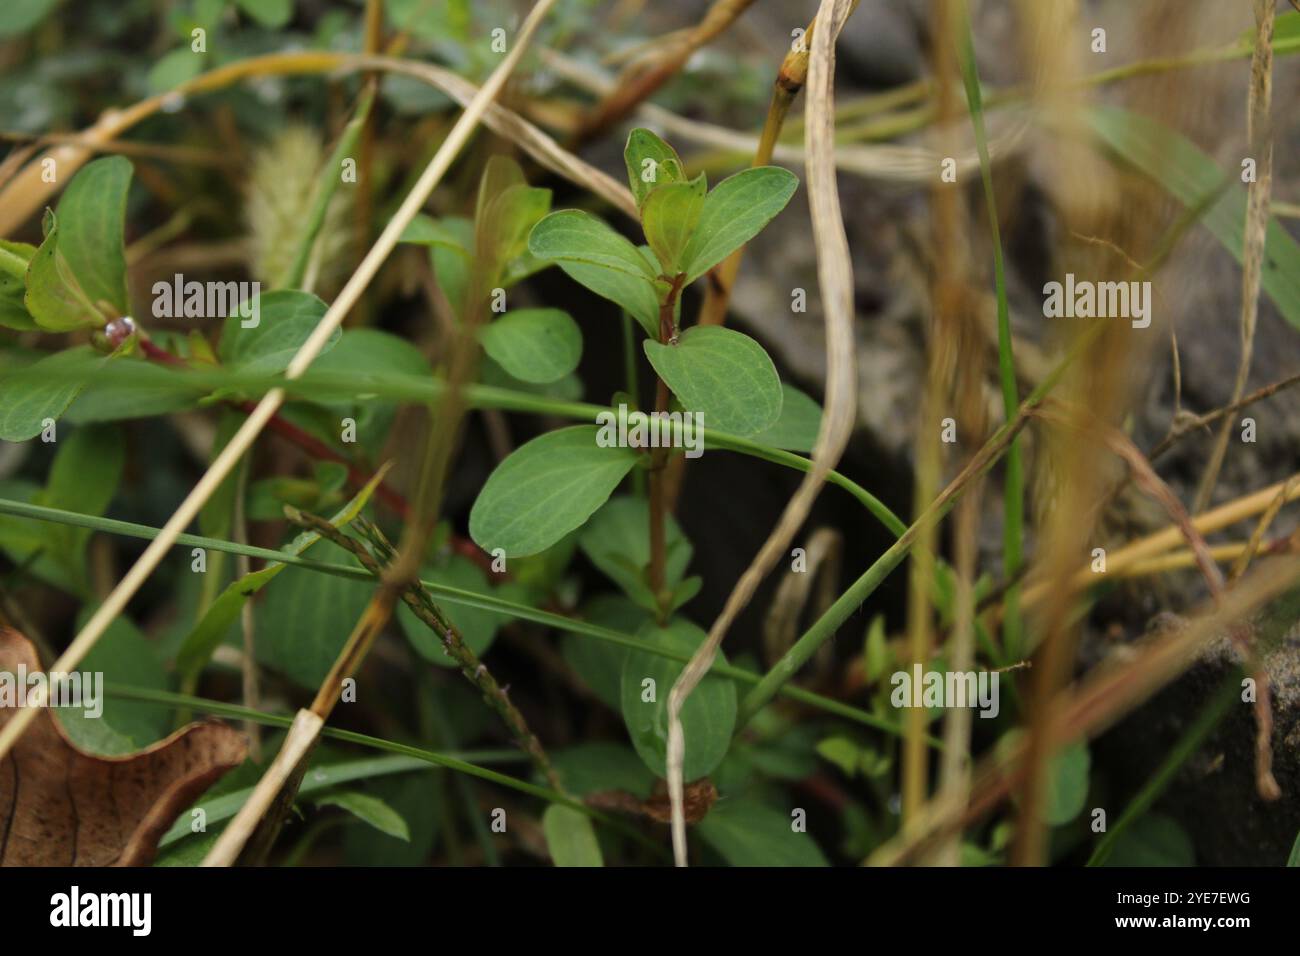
pixel 342 905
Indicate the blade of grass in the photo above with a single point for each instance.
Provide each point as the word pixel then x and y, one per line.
pixel 1187 745
pixel 1188 174
pixel 835 279
pixel 1013 490
pixel 327 182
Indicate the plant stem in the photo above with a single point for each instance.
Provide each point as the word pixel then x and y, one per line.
pixel 659 456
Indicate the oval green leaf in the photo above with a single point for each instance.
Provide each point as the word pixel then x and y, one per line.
pixel 797 428
pixel 534 345
pixel 572 235
pixel 723 375
pixel 669 217
pixel 545 489
pixel 650 162
pixel 570 837
pixel 92 217
pixel 734 212
pixel 708 716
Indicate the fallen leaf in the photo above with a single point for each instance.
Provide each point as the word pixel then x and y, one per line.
pixel 61 806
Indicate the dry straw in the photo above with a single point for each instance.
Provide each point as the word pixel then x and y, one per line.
pixel 835 278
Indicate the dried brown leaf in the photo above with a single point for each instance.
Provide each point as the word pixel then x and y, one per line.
pixel 61 806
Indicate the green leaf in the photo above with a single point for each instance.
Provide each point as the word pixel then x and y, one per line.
pixel 189 852
pixel 84 477
pixel 669 218
pixel 92 217
pixel 304 621
pixel 200 644
pixel 1067 784
pixel 285 319
pixel 1153 840
pixel 271 14
pixel 723 375
pixel 370 358
pixel 570 837
pixel 746 832
pixel 631 293
pixel 617 541
pixel 53 297
pixel 545 489
pixel 224 801
pixel 19 16
pixel 14 260
pixel 173 69
pixel 369 810
pixel 1067 780
pixel 44 389
pixel 511 217
pixel 734 212
pixel 797 427
pixel 424 230
pixel 417 797
pixel 600 664
pixel 572 235
pixel 477 626
pixel 650 162
pixel 124 656
pixel 534 345
pixel 708 716
pixel 600 766
pixel 449 241
pixel 1189 175
pixel 150 390
pixel 842 752
pixel 1294 858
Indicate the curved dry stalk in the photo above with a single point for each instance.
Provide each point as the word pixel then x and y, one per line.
pixel 116 601
pixel 789 83
pixel 822 554
pixel 835 278
pixel 641 79
pixel 1257 217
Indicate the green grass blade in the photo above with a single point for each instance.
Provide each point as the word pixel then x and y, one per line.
pixel 1186 746
pixel 1180 167
pixel 1013 489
